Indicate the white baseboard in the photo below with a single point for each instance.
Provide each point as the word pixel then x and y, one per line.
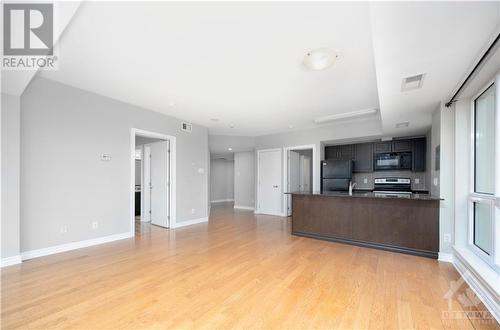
pixel 222 200
pixel 9 261
pixel 190 222
pixel 73 246
pixel 480 286
pixel 243 207
pixel 445 257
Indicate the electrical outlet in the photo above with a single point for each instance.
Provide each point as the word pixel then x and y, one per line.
pixel 63 230
pixel 417 180
pixel 95 225
pixel 365 180
pixel 435 181
pixel 447 238
pixel 193 211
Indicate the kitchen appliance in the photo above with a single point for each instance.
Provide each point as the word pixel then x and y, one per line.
pixel 392 186
pixel 392 161
pixel 336 175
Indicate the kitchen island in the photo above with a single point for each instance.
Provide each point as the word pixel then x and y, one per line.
pixel 408 224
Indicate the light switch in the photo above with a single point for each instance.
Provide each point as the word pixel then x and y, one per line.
pixel 105 157
pixel 417 180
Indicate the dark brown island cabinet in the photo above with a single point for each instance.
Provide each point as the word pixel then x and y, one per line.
pixel 406 225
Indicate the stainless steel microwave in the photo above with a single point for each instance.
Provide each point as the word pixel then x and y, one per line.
pixel 392 161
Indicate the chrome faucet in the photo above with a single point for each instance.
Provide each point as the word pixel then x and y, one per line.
pixel 351 186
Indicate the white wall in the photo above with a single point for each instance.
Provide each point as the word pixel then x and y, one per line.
pixel 221 180
pixel 10 175
pixel 64 182
pixel 244 179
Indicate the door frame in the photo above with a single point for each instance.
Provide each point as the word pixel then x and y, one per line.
pixel 171 179
pixel 285 170
pixel 257 209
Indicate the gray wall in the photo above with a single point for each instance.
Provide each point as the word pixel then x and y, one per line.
pixel 244 179
pixel 10 175
pixel 64 182
pixel 221 179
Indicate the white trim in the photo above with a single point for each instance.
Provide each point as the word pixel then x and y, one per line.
pixel 222 200
pixel 481 287
pixel 73 246
pixel 172 179
pixel 250 208
pixel 190 222
pixel 285 171
pixel 257 208
pixel 9 261
pixel 445 257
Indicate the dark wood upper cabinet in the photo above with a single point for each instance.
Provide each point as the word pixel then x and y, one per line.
pixel 382 147
pixel 419 154
pixel 342 152
pixel 401 145
pixel 362 153
pixel 363 157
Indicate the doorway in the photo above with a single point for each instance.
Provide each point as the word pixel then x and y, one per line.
pixel 153 171
pixel 269 187
pixel 298 172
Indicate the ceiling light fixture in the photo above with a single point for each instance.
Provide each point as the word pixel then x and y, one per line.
pixel 230 149
pixel 345 115
pixel 172 104
pixel 214 119
pixel 320 58
pixel 403 124
pixel 231 125
pixel 290 126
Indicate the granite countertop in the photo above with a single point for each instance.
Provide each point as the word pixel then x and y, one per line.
pixel 367 194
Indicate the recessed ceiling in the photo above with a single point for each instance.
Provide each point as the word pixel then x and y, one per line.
pixel 241 62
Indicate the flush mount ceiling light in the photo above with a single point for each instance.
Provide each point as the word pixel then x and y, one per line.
pixel 345 115
pixel 231 125
pixel 320 58
pixel 171 104
pixel 214 119
pixel 412 82
pixel 230 149
pixel 403 124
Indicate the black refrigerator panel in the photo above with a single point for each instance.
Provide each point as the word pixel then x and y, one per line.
pixel 334 185
pixel 336 169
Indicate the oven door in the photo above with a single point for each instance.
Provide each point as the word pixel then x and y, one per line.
pixel 387 161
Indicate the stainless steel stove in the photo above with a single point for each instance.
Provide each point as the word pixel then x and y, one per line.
pixel 393 186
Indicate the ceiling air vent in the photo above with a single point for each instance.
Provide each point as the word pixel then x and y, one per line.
pixel 186 127
pixel 412 82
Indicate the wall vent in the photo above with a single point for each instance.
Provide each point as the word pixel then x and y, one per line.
pixel 412 82
pixel 186 127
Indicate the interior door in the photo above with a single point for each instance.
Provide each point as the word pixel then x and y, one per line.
pixel 160 170
pixel 294 179
pixel 269 182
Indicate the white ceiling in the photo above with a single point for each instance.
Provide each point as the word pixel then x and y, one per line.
pixel 240 62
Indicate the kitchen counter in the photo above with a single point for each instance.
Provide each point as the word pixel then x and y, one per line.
pixel 367 194
pixel 399 224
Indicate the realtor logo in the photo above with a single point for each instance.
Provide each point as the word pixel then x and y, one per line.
pixel 28 29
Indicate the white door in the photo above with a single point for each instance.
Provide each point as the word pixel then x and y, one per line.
pixel 146 186
pixel 269 182
pixel 159 183
pixel 306 173
pixel 293 177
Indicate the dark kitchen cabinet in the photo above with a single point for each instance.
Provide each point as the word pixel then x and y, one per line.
pixel 363 157
pixel 343 152
pixel 401 145
pixel 382 146
pixel 419 155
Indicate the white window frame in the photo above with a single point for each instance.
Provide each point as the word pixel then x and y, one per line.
pixel 492 200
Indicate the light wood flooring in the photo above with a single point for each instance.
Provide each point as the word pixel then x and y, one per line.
pixel 238 271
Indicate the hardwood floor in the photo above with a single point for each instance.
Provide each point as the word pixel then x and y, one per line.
pixel 238 271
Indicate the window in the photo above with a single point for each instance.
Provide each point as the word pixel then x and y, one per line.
pixel 484 213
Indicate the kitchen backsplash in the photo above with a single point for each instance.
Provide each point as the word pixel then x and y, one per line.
pixel 359 178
